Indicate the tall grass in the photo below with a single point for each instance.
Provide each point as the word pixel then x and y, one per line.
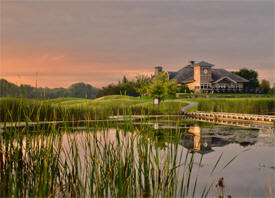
pixel 108 163
pixel 21 109
pixel 238 105
pixel 106 159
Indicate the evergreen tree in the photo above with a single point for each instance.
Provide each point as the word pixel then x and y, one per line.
pixel 124 79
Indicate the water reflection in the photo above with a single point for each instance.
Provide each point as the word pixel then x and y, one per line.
pixel 203 139
pixel 247 173
pixel 194 141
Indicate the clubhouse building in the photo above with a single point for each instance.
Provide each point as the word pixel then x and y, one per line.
pixel 201 77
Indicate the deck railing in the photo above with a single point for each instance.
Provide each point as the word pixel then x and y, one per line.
pixel 268 119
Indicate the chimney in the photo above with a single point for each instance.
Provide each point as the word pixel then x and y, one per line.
pixel 158 69
pixel 192 62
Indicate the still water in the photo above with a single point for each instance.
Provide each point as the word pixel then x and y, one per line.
pixel 243 157
pixel 251 173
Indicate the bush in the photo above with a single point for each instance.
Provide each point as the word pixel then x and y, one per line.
pixel 183 89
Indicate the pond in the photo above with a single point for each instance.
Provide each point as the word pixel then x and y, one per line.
pixel 156 156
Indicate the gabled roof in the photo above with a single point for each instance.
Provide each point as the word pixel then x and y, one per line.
pixel 204 64
pixel 186 75
pixel 225 78
pixel 172 74
pixel 217 74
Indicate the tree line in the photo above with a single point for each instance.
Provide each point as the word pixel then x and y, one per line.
pixel 254 85
pixel 79 90
pixel 157 86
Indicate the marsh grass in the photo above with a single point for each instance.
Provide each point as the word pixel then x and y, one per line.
pixel 42 160
pixel 98 159
pixel 105 159
pixel 70 109
pixel 237 105
pixel 90 164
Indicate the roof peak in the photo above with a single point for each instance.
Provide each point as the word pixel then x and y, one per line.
pixel 204 63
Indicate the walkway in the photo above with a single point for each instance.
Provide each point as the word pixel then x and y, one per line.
pixel 185 108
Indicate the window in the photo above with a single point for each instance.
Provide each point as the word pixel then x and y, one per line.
pixel 205 85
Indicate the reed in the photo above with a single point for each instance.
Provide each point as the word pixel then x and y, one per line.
pixel 238 105
pixel 103 159
pixel 90 163
pixel 22 109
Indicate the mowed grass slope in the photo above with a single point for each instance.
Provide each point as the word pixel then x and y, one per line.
pixel 115 101
pixel 21 109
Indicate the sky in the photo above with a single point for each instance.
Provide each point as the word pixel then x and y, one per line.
pixel 57 43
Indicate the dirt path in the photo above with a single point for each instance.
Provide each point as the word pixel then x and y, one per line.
pixel 185 108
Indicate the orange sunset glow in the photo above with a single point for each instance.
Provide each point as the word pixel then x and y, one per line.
pixel 60 43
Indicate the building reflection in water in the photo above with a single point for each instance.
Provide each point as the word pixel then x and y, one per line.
pixel 195 140
pixel 203 139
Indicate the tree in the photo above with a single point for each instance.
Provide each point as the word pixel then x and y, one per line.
pixel 142 83
pixel 157 88
pixel 162 87
pixel 127 88
pixel 183 89
pixel 272 91
pixel 251 76
pixel 124 79
pixel 171 88
pixel 79 90
pixel 264 86
pixel 111 89
pixel 82 90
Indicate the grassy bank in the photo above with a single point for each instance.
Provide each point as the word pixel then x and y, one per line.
pixel 236 105
pixel 21 109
